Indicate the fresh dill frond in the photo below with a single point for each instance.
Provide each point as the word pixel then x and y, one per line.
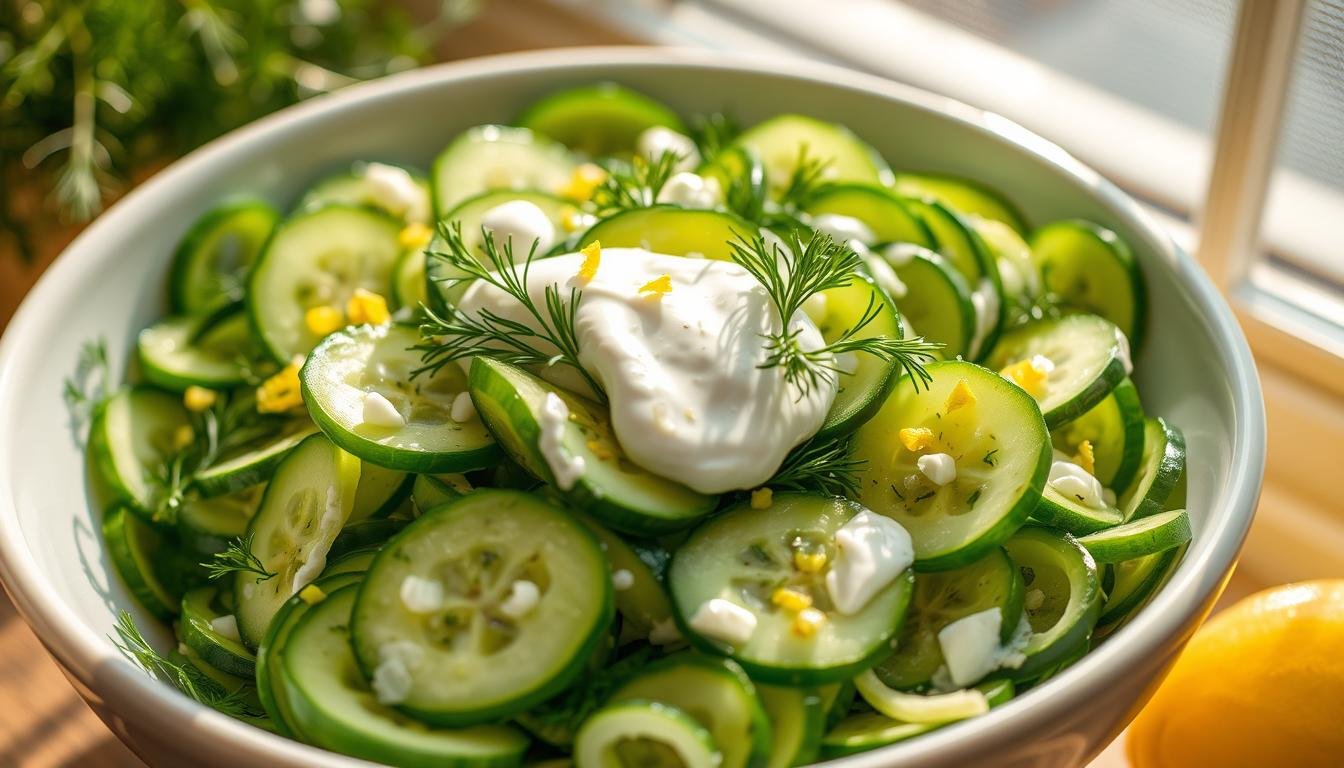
pixel 713 133
pixel 182 675
pixel 808 175
pixel 794 273
pixel 635 184
pixel 823 466
pixel 551 339
pixel 87 386
pixel 237 558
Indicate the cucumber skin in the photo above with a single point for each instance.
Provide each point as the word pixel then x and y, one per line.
pixel 196 632
pixel 177 276
pixel 115 535
pixel 1125 256
pixel 1090 397
pixel 1047 658
pixel 100 450
pixel 1169 472
pixel 249 475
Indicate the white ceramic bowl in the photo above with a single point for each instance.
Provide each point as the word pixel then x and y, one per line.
pixel 1195 369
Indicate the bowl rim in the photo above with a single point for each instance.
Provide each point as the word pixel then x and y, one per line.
pixel 133 695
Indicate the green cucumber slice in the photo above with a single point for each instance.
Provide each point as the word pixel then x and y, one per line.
pixel 409 289
pixel 1114 427
pixel 942 598
pixel 836 700
pixel 251 463
pixel 1142 537
pixel 379 493
pixel 1002 454
pixel 429 491
pixel 201 607
pixel 615 491
pixel 962 195
pixel 179 352
pixel 1070 514
pixel 645 733
pixel 352 187
pixel 482 655
pixel 598 120
pixel 1088 267
pixel 355 562
pixel 134 549
pixel 318 258
pixel 1018 275
pixel 211 263
pixel 1062 599
pixel 1089 355
pixel 670 229
pixel 869 730
pixel 937 301
pixel 335 709
pixel 207 526
pixel 718 694
pixel 364 536
pixel 134 433
pixel 797 721
pixel 745 554
pixel 270 692
pixel 954 240
pixel 1160 470
pixel 741 177
pixel 641 600
pixel 491 157
pixel 781 141
pixel 861 391
pixel 881 211
pixel 350 366
pixel 302 511
pixel 1136 581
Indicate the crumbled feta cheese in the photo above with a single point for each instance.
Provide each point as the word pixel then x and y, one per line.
pixel 421 595
pixel 1074 483
pixel 724 620
pixel 939 468
pixel 566 467
pixel 463 409
pixel 970 646
pixel 522 600
pixel 226 626
pixel 622 580
pixel 690 190
pixel 521 222
pixel 380 412
pixel 392 678
pixel 871 551
pixel 657 141
pixel 394 190
pixel 985 301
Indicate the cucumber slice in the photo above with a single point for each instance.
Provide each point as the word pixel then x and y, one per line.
pixel 881 211
pixel 430 491
pixel 134 432
pixel 962 195
pixel 408 281
pixel 350 365
pixel 439 275
pixel 318 258
pixel 644 733
pixel 954 240
pixel 352 187
pixel 1089 356
pixel 718 694
pixel 270 692
pixel 211 263
pixel 1069 514
pixel 1136 581
pixel 937 301
pixel 1114 427
pixel 942 598
pixel 479 658
pixel 491 157
pixel 206 526
pixel 869 730
pixel 1088 267
pixel 641 601
pixel 180 352
pixel 353 562
pixel 797 721
pixel 612 489
pixel 598 120
pixel 741 177
pixel 1063 597
pixel 1160 470
pixel 200 608
pixel 134 549
pixel 1002 454
pixel 379 493
pixel 836 700
pixel 251 463
pixel 782 141
pixel 368 535
pixel 861 391
pixel 1145 536
pixel 670 229
pixel 744 555
pixel 335 709
pixel 1018 275
pixel 302 511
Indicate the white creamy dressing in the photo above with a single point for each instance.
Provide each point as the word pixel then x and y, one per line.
pixel 523 223
pixel 313 552
pixel 420 595
pixel 680 370
pixel 900 254
pixel 843 229
pixel 939 468
pixel 724 620
pixel 392 678
pixel 985 300
pixel 971 648
pixel 657 141
pixel 394 190
pixel 566 467
pixel 871 551
pixel 1122 342
pixel 1076 483
pixel 690 190
pixel 882 273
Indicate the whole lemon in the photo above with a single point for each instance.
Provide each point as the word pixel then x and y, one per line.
pixel 1261 684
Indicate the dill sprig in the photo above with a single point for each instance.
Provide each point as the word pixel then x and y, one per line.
pixel 550 339
pixel 794 273
pixel 237 558
pixel 182 675
pixel 88 386
pixel 713 133
pixel 823 466
pixel 635 184
pixel 808 175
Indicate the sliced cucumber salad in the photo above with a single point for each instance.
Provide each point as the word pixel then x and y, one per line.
pixel 624 437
